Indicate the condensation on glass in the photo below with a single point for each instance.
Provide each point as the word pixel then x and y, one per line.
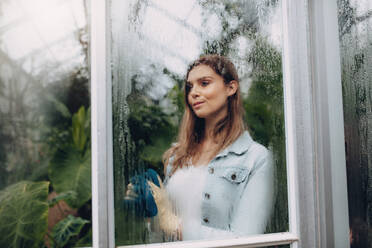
pixel 152 44
pixel 45 180
pixel 355 32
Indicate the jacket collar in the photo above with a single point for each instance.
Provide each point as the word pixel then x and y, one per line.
pixel 240 145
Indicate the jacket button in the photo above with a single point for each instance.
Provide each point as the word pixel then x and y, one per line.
pixel 207 195
pixel 206 220
pixel 211 170
pixel 233 176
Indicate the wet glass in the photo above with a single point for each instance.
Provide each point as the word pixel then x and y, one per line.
pixel 152 44
pixel 355 33
pixel 45 180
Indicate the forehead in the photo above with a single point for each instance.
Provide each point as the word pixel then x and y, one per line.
pixel 201 71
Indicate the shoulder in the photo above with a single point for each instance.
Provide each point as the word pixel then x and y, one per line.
pixel 247 147
pixel 261 157
pixel 251 153
pixel 259 151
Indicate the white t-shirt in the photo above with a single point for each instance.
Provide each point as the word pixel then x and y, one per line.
pixel 185 189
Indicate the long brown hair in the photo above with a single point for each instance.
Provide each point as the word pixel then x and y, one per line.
pixel 191 131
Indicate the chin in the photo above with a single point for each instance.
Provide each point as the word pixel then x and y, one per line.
pixel 200 114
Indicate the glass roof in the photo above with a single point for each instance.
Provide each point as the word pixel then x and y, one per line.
pixel 42 36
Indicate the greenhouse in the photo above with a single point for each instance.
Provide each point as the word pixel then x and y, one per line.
pixel 94 94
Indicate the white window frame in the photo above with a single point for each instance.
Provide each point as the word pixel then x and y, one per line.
pixel 313 122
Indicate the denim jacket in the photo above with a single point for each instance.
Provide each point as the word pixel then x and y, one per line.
pixel 238 195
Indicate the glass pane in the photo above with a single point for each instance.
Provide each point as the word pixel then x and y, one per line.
pixel 45 187
pixel 230 190
pixel 355 26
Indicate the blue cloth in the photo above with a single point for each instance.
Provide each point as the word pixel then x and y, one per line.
pixel 143 204
pixel 238 195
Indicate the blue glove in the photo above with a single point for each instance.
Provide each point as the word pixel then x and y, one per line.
pixel 138 195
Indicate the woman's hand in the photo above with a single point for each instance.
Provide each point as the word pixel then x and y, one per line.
pixel 168 221
pixel 130 194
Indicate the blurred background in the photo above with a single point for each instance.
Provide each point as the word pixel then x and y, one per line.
pixel 45 189
pixel 45 159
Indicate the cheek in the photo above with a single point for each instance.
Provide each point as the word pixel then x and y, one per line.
pixel 210 93
pixel 217 99
pixel 214 94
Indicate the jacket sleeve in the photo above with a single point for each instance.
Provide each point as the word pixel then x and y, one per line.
pixel 254 208
pixel 168 171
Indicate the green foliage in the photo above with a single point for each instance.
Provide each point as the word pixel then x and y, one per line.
pixel 66 196
pixel 78 93
pixel 65 230
pixel 4 141
pixel 35 126
pixel 151 128
pixel 159 144
pixel 57 102
pixel 59 106
pixel 152 131
pixel 70 170
pixel 70 167
pixel 86 240
pixel 23 214
pixel 264 104
pixel 259 120
pixel 264 108
pixel 80 128
pixel 176 96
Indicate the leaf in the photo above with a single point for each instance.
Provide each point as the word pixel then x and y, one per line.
pixel 87 120
pixel 70 170
pixel 153 153
pixel 66 229
pixel 23 214
pixel 40 173
pixel 260 122
pixel 59 106
pixel 66 196
pixel 79 134
pixel 85 241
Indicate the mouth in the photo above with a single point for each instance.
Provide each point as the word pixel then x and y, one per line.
pixel 197 104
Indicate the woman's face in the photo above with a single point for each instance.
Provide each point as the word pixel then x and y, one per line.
pixel 208 93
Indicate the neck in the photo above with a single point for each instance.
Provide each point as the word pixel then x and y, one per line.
pixel 209 145
pixel 210 124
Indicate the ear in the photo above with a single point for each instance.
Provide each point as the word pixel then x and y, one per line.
pixel 232 87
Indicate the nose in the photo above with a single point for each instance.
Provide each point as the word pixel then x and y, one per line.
pixel 194 92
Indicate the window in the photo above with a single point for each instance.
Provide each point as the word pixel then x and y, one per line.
pixel 355 48
pixel 151 47
pixel 317 206
pixel 104 178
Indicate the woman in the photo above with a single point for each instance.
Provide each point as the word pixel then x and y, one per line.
pixel 219 182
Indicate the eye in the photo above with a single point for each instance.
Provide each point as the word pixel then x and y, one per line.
pixel 188 85
pixel 204 83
